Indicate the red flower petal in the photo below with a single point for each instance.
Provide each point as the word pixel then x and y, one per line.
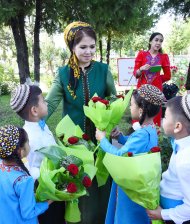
pixel 85 137
pixel 106 102
pixel 87 182
pixel 155 149
pixel 130 154
pixel 71 188
pixel 120 96
pixel 96 99
pixel 73 169
pixel 73 140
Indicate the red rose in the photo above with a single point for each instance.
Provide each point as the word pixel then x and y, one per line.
pixel 106 102
pixel 120 96
pixel 155 149
pixel 130 154
pixel 85 137
pixel 73 169
pixel 71 188
pixel 87 182
pixel 73 140
pixel 96 99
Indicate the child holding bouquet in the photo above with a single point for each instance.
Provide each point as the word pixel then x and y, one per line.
pixel 175 185
pixel 145 104
pixel 18 204
pixel 28 102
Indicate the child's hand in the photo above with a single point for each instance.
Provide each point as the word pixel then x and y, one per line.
pixel 154 214
pixel 49 202
pixel 100 134
pixel 115 133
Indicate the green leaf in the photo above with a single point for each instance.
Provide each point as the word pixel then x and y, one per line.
pixel 54 153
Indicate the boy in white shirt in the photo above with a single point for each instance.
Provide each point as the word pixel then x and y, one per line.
pixel 28 102
pixel 175 185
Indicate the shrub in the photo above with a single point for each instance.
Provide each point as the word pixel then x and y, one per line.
pixel 6 87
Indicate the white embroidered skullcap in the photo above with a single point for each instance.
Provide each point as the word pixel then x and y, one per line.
pixel 186 105
pixel 152 94
pixel 19 97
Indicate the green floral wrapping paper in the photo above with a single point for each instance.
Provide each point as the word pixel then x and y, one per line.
pixel 139 177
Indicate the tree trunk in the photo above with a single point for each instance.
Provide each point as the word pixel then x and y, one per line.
pixel 24 43
pixel 187 85
pixel 19 48
pixel 108 48
pixel 37 41
pixel 100 49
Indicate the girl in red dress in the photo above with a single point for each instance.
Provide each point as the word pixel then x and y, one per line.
pixel 152 57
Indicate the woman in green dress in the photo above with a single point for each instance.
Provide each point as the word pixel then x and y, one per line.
pixel 75 84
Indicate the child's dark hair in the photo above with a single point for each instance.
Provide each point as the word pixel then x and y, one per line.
pixel 33 100
pixel 148 108
pixel 175 107
pixel 23 138
pixel 152 37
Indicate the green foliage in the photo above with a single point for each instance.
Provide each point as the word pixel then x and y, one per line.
pixel 7 79
pixel 166 149
pixel 6 87
pixel 178 39
pixel 10 9
pixel 180 7
pixel 179 76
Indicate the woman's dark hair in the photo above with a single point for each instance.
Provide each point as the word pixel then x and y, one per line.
pixel 86 31
pixel 176 108
pixel 149 109
pixel 23 138
pixel 152 37
pixel 33 100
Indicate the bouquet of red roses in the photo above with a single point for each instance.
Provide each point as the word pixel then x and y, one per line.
pixel 64 178
pixel 106 114
pixel 75 141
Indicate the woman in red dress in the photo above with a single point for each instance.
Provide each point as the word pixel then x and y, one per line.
pixel 152 57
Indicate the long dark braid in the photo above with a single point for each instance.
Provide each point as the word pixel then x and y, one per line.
pixel 19 162
pixel 23 138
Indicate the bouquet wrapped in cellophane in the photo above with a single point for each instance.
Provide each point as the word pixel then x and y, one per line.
pixel 138 175
pixel 106 114
pixel 64 178
pixel 75 141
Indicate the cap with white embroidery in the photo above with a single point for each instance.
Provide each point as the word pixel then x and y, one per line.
pixel 186 105
pixel 19 97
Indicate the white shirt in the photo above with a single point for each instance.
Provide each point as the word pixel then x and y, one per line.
pixel 38 138
pixel 175 183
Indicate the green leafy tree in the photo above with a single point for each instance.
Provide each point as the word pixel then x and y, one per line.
pixel 178 38
pixel 179 7
pixel 16 13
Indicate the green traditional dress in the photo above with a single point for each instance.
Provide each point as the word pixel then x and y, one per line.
pixel 97 78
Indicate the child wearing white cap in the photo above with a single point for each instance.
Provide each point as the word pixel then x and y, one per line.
pixel 175 185
pixel 28 102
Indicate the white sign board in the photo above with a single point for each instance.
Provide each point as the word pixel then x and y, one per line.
pixel 125 72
